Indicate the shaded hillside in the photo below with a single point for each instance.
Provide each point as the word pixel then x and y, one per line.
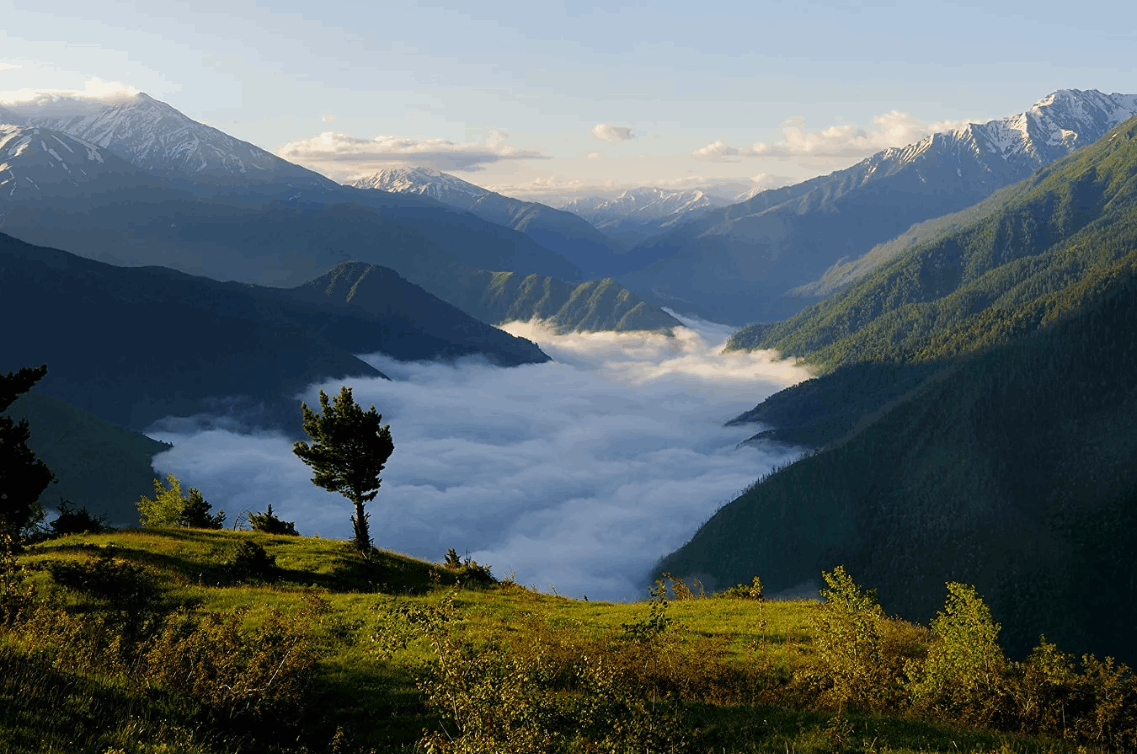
pixel 132 345
pixel 1017 472
pixel 737 264
pixel 96 465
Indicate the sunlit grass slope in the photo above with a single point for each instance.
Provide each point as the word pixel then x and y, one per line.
pixel 176 640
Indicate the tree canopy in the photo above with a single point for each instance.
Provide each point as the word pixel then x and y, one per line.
pixel 349 448
pixel 23 477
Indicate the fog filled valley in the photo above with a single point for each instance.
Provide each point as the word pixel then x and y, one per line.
pixel 575 475
pixel 763 437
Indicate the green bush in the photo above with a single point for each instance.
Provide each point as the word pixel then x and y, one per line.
pixel 71 521
pixel 963 676
pixel 251 561
pixel 231 668
pixel 848 636
pixel 169 508
pixel 268 523
pixel 753 591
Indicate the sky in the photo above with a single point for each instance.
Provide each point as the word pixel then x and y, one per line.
pixel 573 476
pixel 550 101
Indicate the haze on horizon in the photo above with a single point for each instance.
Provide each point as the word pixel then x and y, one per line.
pixel 554 102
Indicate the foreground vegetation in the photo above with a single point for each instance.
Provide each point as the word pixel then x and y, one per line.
pixel 221 641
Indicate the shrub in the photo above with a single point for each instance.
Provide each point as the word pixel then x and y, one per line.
pixel 268 523
pixel 170 508
pixel 753 591
pixel 468 569
pixel 847 636
pixel 250 561
pixel 80 521
pixel 16 592
pixel 230 668
pixel 962 677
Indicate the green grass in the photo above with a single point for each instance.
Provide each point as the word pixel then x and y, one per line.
pixel 725 657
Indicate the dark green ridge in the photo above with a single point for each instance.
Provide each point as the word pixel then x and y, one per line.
pixel 96 465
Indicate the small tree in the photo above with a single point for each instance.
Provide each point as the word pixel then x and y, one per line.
pixel 23 477
pixel 170 508
pixel 348 451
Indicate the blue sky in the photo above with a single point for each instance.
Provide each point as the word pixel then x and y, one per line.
pixel 510 95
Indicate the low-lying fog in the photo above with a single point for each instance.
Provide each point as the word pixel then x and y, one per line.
pixel 575 475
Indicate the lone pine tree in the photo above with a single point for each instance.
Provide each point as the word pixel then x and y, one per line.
pixel 348 450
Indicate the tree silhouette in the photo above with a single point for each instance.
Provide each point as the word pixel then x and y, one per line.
pixel 23 477
pixel 348 450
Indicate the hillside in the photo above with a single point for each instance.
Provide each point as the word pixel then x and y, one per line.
pixel 132 345
pixel 738 264
pixel 1015 470
pixel 96 465
pixel 218 641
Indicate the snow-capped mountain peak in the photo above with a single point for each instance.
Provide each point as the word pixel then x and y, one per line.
pixel 157 138
pixel 645 203
pixel 444 187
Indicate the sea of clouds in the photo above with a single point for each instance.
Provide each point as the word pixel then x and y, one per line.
pixel 576 475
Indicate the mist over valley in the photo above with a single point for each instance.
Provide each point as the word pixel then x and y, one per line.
pixel 575 475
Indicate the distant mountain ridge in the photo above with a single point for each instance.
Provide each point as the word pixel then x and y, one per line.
pixel 645 203
pixel 161 140
pixel 739 264
pixel 563 232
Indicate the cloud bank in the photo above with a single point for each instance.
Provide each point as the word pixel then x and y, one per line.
pixel 892 129
pixel 612 134
pixel 577 475
pixel 557 190
pixel 341 154
pixel 95 91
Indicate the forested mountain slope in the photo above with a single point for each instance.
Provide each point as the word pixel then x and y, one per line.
pixel 132 345
pixel 1015 471
pixel 1041 255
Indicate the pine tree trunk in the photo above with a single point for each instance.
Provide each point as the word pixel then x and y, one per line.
pixel 359 522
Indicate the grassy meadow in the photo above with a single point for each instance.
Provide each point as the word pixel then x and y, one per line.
pixel 223 641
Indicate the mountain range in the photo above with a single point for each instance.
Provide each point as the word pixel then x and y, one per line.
pixel 563 232
pixel 740 264
pixel 975 422
pixel 131 181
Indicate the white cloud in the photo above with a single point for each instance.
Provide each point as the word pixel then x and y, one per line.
pixel 612 134
pixel 578 473
pixel 341 154
pixel 327 118
pixel 95 90
pixel 717 151
pixel 9 66
pixel 892 129
pixel 595 155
